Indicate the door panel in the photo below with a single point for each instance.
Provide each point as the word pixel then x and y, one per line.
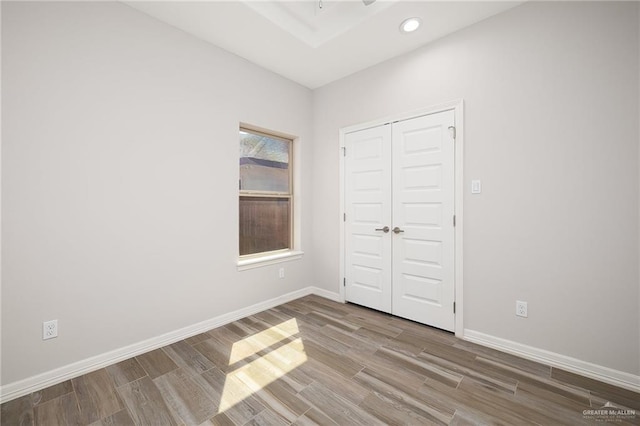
pixel 368 207
pixel 423 207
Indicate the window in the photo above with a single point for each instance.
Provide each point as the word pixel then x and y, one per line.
pixel 266 196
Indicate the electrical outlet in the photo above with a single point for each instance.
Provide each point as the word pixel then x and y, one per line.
pixel 49 329
pixel 281 273
pixel 521 308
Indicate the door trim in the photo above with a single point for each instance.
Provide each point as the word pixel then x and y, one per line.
pixel 458 107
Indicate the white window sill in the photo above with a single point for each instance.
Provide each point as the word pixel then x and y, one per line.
pixel 270 259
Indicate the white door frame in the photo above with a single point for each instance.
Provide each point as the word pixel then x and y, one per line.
pixel 458 107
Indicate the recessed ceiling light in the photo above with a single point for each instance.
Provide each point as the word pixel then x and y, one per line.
pixel 410 24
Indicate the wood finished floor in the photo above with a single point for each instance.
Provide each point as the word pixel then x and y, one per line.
pixel 314 361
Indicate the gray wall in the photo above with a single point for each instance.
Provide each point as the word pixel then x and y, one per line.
pixel 119 180
pixel 551 129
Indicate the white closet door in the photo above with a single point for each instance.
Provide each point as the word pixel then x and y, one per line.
pixel 423 208
pixel 368 211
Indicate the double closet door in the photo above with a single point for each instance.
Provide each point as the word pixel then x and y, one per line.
pixel 399 223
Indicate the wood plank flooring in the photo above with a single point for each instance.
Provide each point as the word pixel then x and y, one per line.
pixel 313 361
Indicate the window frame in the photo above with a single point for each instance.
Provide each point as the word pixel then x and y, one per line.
pixel 253 260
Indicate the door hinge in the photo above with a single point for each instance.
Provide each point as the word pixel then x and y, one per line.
pixel 452 129
pixel 454 220
pixel 344 282
pixel 344 151
pixel 344 217
pixel 454 307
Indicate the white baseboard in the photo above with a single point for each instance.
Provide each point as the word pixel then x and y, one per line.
pixel 574 365
pixel 23 387
pixel 327 294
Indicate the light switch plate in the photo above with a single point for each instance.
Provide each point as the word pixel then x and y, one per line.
pixel 476 187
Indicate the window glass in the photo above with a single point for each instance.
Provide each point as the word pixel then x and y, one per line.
pixel 265 193
pixel 265 224
pixel 264 163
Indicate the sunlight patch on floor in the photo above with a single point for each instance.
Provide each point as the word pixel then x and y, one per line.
pixel 260 341
pixel 250 378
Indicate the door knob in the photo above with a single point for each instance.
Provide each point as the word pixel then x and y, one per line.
pixel 385 229
pixel 397 230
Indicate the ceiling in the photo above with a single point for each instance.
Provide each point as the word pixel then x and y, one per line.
pixel 313 42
